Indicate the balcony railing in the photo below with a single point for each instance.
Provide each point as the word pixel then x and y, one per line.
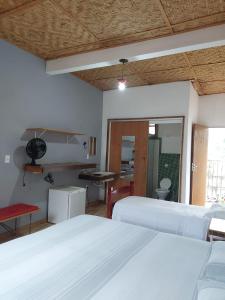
pixel 216 181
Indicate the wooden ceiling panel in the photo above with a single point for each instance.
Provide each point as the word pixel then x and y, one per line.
pixel 197 86
pixel 138 79
pixel 135 80
pixel 112 83
pixel 109 43
pixel 199 23
pixel 90 13
pixel 210 72
pixel 135 37
pixel 105 84
pixel 24 41
pixel 113 19
pixel 161 63
pixel 214 87
pixel 180 11
pixel 106 72
pixel 44 26
pixel 138 16
pixel 163 69
pixel 205 68
pixel 6 5
pixel 180 74
pixel 57 28
pixel 207 56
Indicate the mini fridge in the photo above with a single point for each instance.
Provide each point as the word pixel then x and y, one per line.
pixel 65 203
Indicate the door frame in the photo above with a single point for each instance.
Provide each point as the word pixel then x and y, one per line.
pixel 109 121
pixel 192 156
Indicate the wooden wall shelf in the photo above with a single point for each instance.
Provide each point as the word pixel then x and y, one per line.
pixel 54 167
pixel 42 131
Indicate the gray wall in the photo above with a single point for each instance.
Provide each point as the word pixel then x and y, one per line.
pixel 31 98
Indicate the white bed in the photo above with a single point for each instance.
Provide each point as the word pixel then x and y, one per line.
pixel 187 220
pixel 90 257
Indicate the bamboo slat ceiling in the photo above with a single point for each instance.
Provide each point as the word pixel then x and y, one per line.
pixel 206 68
pixel 57 28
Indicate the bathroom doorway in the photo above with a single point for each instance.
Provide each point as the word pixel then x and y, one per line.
pixel 148 150
pixel 164 158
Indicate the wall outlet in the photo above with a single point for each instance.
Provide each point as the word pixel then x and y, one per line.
pixel 7 159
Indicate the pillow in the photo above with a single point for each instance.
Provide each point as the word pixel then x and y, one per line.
pixel 215 268
pixel 195 227
pixel 216 211
pixel 211 294
pixel 211 290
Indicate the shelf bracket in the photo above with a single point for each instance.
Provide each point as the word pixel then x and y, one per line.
pixel 42 133
pixel 69 139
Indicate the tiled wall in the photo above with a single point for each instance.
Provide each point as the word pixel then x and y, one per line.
pixel 169 165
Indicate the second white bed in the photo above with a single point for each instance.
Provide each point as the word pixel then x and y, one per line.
pixel 165 216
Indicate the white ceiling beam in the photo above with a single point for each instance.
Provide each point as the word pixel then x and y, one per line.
pixel 173 44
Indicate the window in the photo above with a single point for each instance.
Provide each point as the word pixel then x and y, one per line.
pixel 152 130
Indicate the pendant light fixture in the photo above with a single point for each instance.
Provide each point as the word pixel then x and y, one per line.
pixel 122 82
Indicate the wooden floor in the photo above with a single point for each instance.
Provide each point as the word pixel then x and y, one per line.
pixel 97 208
pixel 24 230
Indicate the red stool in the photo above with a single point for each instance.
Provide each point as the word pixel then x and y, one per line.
pixel 13 212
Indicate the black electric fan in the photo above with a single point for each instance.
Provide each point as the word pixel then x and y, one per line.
pixel 36 149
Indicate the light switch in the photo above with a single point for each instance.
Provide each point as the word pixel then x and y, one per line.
pixel 7 159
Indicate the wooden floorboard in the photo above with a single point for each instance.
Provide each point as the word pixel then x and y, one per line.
pixel 97 208
pixel 24 230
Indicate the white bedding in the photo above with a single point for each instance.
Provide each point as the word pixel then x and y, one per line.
pixel 211 290
pixel 89 257
pixel 215 268
pixel 165 216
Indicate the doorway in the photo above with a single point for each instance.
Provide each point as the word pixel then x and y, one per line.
pixel 164 158
pixel 215 189
pixel 127 154
pixel 151 150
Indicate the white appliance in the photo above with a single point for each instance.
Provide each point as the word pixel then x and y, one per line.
pixel 65 203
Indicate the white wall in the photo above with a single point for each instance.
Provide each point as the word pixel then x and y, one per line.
pixel 212 110
pixel 192 117
pixel 171 99
pixel 171 137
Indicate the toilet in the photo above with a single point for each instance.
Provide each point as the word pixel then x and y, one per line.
pixel 163 191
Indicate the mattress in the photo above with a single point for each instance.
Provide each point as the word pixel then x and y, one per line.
pixel 89 257
pixel 171 217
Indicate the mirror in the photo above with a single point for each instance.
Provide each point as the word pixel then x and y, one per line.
pixel 127 154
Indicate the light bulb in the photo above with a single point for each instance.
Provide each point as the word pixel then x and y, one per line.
pixel 121 84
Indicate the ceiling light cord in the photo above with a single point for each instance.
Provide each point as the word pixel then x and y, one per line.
pixel 122 81
pixel 122 70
